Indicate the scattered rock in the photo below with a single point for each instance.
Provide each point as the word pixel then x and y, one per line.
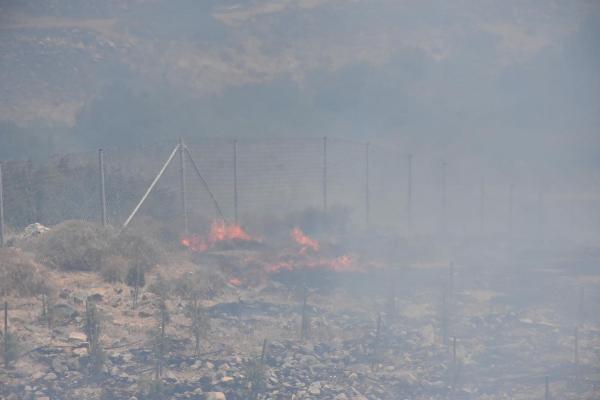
pixel 215 396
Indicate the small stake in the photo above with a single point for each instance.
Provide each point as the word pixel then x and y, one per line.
pixel 547 391
pixel 576 358
pixel 304 326
pixel 444 316
pixel 581 311
pixel 6 334
pixel 376 345
pixel 454 350
pixel 263 352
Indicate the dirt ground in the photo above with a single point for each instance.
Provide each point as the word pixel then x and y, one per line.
pixel 470 328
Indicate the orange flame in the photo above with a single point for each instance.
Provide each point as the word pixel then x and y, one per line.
pixel 304 241
pixel 338 264
pixel 219 231
pixel 235 282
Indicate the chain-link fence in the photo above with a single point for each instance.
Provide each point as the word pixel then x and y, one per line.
pixel 249 179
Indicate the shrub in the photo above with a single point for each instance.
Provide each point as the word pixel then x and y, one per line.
pixel 139 251
pixel 191 281
pixel 74 246
pixel 255 373
pixel 10 349
pixel 85 246
pixel 20 274
pixel 114 269
pixel 92 329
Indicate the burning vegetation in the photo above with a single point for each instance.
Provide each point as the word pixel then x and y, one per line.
pixel 224 315
pixel 220 232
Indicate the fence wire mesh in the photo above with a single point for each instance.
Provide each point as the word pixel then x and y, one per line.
pixel 256 178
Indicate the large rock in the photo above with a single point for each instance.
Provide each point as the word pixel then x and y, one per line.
pixel 215 396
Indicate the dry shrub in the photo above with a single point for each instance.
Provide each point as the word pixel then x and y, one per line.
pixel 73 246
pixel 114 269
pixel 140 251
pixel 189 281
pixel 20 274
pixel 84 246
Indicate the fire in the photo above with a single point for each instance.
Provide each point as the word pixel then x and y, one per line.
pixel 304 241
pixel 219 231
pixel 342 263
pixel 235 282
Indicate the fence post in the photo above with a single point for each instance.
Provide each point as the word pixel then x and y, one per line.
pixel 482 207
pixel 182 185
pixel 540 216
pixel 409 193
pixel 235 183
pixel 1 210
pixel 102 187
pixel 5 334
pixel 444 203
pixel 325 174
pixel 367 194
pixel 576 354
pixel 511 190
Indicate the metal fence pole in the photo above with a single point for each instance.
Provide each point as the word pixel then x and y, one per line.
pixel 409 194
pixel 367 194
pixel 511 189
pixel 444 202
pixel 482 207
pixel 235 182
pixel 325 174
pixel 102 187
pixel 182 185
pixel 1 210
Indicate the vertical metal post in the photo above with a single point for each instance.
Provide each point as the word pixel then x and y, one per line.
pixel 102 187
pixel 451 281
pixel 235 183
pixel 304 324
pixel 454 350
pixel 540 216
pixel 580 309
pixel 409 194
pixel 510 208
pixel 482 207
pixel 547 388
pixel 182 187
pixel 263 353
pixel 367 194
pixel 1 210
pixel 376 344
pixel 576 353
pixel 444 205
pixel 5 334
pixel 325 174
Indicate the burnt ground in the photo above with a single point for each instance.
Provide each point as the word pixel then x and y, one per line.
pixel 512 321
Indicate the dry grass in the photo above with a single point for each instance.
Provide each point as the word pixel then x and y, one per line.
pixel 21 275
pixel 84 246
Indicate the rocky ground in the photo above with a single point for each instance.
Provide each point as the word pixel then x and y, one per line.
pixel 421 331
